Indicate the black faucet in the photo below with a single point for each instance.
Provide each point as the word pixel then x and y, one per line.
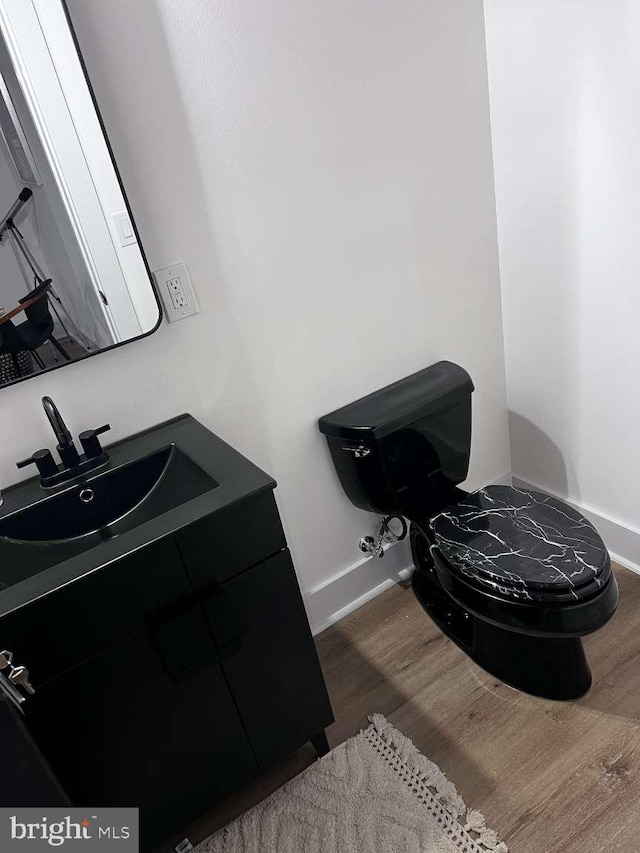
pixel 66 448
pixel 73 464
pixel 57 421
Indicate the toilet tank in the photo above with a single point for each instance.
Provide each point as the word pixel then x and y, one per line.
pixel 404 448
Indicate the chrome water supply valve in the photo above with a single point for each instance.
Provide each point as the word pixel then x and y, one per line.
pixel 393 528
pixel 18 675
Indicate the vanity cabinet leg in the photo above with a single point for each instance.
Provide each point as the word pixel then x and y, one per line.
pixel 320 743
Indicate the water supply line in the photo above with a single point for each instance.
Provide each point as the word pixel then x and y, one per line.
pixel 386 535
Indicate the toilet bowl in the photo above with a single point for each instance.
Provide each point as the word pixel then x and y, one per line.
pixel 514 576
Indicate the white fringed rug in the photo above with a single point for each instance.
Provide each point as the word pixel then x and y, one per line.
pixel 375 793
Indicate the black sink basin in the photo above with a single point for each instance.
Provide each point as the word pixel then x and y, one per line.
pixel 158 482
pixel 112 502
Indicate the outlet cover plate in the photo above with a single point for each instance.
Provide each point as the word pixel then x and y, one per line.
pixel 176 292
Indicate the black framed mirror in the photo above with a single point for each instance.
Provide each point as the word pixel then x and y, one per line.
pixel 74 280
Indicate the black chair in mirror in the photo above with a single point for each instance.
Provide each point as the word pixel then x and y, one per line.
pixel 32 333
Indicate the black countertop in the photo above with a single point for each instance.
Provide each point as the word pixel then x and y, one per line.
pixel 237 479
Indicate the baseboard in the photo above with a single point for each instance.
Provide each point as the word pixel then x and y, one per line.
pixel 621 539
pixel 354 586
pixel 505 480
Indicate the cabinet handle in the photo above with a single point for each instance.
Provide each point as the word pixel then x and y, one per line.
pixel 12 693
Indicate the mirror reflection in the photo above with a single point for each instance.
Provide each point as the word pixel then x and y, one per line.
pixel 73 278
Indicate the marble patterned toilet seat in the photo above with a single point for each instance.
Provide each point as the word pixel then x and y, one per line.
pixel 523 544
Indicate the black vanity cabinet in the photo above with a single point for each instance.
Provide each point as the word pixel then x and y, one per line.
pixel 259 625
pixel 168 678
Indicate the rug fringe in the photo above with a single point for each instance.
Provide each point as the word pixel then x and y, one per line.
pixel 471 820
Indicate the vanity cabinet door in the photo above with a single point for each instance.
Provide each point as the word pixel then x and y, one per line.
pixel 269 658
pixel 138 726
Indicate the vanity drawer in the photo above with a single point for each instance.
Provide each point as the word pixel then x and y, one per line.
pixel 57 632
pixel 228 542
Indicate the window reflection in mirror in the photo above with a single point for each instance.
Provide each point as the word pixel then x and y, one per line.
pixel 73 278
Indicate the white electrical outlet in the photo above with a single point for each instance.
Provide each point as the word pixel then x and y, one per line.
pixel 176 292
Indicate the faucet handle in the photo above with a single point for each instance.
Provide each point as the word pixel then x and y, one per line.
pixel 91 443
pixel 44 462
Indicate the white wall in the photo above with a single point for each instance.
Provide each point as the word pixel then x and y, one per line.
pixel 566 130
pixel 325 171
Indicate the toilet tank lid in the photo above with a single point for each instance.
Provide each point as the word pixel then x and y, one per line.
pixel 399 404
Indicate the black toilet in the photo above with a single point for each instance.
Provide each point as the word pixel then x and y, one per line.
pixel 514 576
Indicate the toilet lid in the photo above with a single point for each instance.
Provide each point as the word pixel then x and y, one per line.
pixel 520 539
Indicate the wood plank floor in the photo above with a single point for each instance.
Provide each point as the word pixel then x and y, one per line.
pixel 548 776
